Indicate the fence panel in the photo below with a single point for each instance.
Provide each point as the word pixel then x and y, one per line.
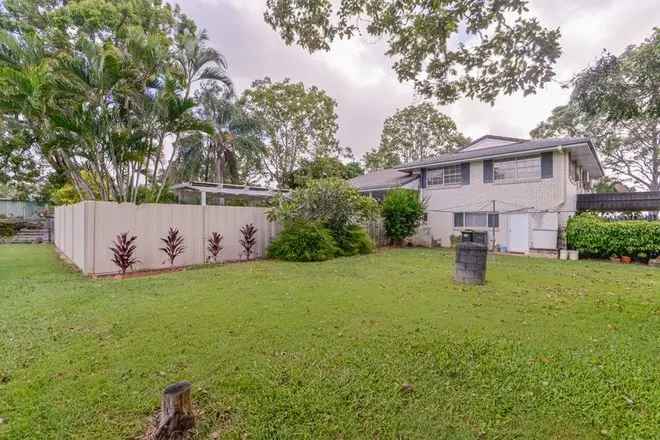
pixel 85 232
pixel 376 230
pixel 12 208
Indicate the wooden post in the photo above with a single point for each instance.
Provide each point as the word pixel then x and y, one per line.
pixel 176 413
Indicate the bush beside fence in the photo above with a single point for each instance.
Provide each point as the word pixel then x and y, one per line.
pixel 595 237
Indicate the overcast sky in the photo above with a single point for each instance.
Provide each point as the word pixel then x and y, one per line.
pixel 359 77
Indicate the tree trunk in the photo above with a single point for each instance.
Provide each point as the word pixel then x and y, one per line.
pixel 220 161
pixel 176 413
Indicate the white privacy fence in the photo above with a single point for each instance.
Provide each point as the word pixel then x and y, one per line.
pixel 84 232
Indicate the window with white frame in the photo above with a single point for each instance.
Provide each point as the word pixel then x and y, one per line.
pixel 476 220
pixel 519 168
pixel 451 175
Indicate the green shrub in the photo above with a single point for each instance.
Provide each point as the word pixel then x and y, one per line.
pixel 303 241
pixel 353 240
pixel 331 204
pixel 595 237
pixel 8 229
pixel 403 212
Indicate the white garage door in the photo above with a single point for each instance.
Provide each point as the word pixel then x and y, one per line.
pixel 518 233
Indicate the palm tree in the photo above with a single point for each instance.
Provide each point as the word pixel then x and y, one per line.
pixel 235 149
pixel 26 88
pixel 194 62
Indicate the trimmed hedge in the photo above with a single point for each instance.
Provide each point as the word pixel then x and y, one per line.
pixel 595 237
pixel 304 241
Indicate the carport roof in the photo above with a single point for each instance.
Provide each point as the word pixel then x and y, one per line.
pixel 382 179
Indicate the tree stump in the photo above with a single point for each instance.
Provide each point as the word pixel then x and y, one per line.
pixel 176 412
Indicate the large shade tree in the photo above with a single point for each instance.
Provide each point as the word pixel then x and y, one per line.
pixel 414 133
pixel 449 49
pixel 297 123
pixel 615 103
pixel 622 87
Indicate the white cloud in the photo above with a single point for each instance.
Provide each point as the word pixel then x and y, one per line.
pixel 346 58
pixel 360 77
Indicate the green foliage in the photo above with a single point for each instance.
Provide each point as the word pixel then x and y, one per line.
pixel 593 236
pixel 100 87
pixel 303 241
pixel 233 154
pixel 624 87
pixel 353 240
pixel 414 133
pixel 331 202
pixel 508 51
pixel 147 194
pixel 335 205
pixel 402 212
pixel 322 167
pixel 8 229
pixel 297 122
pixel 65 195
pixel 616 104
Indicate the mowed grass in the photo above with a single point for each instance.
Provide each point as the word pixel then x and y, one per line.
pixel 547 349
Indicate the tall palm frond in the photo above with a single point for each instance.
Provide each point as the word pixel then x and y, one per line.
pixel 199 62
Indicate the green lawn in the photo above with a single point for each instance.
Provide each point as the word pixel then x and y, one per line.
pixel 547 349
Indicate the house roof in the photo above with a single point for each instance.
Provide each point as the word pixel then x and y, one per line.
pixel 581 148
pixel 382 179
pixel 494 140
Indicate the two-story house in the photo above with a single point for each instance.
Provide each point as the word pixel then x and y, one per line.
pixel 520 191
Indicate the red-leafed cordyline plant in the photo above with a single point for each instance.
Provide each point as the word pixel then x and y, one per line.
pixel 214 246
pixel 173 245
pixel 123 252
pixel 249 240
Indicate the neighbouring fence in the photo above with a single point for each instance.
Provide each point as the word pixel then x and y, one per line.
pixel 376 230
pixel 84 232
pixel 14 208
